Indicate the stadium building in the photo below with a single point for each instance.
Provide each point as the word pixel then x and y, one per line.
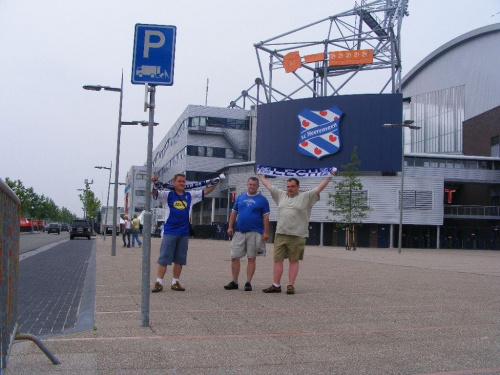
pixel 451 162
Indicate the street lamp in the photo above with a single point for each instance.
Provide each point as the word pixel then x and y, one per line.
pixel 107 201
pixel 406 124
pixel 84 205
pixel 117 162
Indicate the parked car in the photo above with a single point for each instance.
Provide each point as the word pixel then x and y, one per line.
pixel 64 227
pixel 80 228
pixel 54 228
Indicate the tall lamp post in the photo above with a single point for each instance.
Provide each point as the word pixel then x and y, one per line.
pixel 107 201
pixel 84 204
pixel 405 124
pixel 117 162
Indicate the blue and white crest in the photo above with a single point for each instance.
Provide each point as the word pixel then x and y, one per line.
pixel 319 132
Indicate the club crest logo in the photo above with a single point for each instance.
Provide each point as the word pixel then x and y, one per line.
pixel 319 132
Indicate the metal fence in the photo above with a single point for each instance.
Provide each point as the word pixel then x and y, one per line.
pixel 9 268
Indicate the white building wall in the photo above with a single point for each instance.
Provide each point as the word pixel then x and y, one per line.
pixel 470 60
pixel 383 195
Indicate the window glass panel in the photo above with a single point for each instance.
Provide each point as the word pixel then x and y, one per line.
pixel 470 164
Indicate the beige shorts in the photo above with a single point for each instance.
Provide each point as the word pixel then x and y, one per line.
pixel 291 247
pixel 249 243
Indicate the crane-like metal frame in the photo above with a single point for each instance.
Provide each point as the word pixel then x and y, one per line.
pixel 374 25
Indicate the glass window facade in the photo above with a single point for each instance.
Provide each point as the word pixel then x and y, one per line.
pixel 440 115
pixel 219 122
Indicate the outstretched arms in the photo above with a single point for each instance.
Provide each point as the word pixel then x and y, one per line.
pixel 209 189
pixel 325 182
pixel 264 180
pixel 154 192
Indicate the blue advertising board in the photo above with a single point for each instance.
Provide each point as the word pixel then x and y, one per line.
pixel 322 132
pixel 154 55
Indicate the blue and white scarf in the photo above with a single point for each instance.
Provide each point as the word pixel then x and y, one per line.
pixel 166 185
pixel 294 172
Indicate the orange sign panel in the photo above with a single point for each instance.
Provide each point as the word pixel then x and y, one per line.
pixel 351 57
pixel 314 58
pixel 291 62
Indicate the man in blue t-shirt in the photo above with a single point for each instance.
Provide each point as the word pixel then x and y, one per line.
pixel 174 244
pixel 252 210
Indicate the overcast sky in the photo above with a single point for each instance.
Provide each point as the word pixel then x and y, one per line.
pixel 53 132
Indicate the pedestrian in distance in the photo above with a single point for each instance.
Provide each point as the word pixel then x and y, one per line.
pixel 174 245
pixel 135 231
pixel 126 231
pixel 252 212
pixel 294 211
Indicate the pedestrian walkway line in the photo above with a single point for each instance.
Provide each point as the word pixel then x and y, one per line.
pixel 28 254
pixel 300 309
pixel 276 334
pixel 465 372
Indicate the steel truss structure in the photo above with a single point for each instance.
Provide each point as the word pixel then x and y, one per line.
pixel 374 25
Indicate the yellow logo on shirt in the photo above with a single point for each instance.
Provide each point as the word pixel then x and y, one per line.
pixel 180 205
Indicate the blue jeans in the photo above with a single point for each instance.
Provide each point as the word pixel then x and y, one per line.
pixel 135 237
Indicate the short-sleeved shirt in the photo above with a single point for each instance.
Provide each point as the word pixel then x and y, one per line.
pixel 251 209
pixel 177 210
pixel 294 213
pixel 136 223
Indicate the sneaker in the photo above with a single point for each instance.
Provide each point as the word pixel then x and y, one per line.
pixel 290 289
pixel 231 285
pixel 272 289
pixel 158 288
pixel 248 287
pixel 177 287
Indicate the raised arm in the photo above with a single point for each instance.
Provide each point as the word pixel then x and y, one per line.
pixel 264 180
pixel 325 182
pixel 154 192
pixel 209 189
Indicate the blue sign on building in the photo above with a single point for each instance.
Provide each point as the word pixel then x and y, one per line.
pixel 154 55
pixel 322 132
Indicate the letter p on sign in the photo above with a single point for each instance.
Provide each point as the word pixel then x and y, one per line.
pixel 148 43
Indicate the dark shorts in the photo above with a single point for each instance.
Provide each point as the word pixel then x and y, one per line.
pixel 173 249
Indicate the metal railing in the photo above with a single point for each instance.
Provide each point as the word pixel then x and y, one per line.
pixel 10 214
pixel 472 210
pixel 10 208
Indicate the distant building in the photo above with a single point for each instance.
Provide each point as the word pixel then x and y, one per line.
pixel 135 190
pixel 202 141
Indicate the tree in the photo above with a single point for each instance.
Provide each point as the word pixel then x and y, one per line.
pixel 91 205
pixel 38 206
pixel 67 216
pixel 349 201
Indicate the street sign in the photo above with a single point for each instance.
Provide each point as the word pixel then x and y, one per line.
pixel 154 55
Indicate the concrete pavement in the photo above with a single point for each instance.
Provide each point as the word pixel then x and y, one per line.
pixel 371 311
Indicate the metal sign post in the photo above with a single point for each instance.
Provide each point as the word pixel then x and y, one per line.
pixel 152 64
pixel 146 249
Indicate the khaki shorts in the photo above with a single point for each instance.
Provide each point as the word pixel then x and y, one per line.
pixel 249 243
pixel 291 247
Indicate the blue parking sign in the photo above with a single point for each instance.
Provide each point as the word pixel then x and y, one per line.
pixel 154 55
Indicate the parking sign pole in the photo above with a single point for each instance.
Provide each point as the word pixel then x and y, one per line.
pixel 152 65
pixel 148 215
